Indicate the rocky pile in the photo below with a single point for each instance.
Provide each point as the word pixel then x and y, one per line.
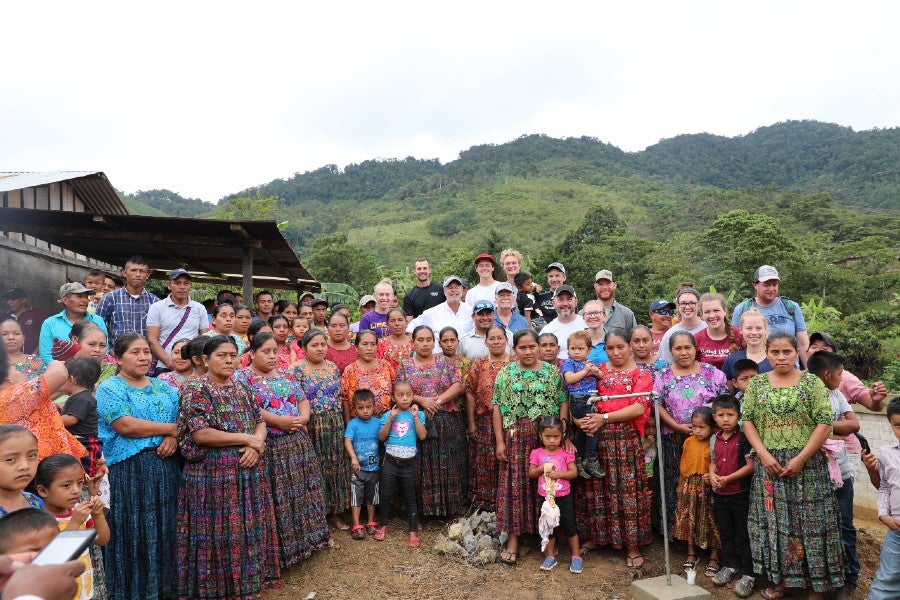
pixel 474 539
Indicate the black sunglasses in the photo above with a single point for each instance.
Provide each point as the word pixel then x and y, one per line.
pixel 665 311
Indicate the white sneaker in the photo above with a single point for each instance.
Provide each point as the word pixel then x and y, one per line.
pixel 744 586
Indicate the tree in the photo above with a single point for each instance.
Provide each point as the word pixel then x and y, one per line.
pixel 332 258
pixel 741 241
pixel 248 209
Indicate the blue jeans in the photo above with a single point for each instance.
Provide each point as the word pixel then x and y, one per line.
pixel 585 445
pixel 848 533
pixel 887 580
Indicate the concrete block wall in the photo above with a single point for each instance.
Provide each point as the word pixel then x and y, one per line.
pixel 874 426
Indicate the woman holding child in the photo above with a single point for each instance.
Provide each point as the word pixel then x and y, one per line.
pixel 137 426
pixel 525 391
pixel 615 510
pixel 793 509
pixel 436 387
pixel 291 464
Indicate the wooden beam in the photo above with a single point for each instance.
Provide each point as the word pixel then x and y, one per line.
pixel 137 236
pixel 247 271
pixel 270 258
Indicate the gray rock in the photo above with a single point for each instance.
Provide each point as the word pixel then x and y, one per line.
pixel 486 556
pixel 468 542
pixel 443 545
pixel 457 530
pixel 486 542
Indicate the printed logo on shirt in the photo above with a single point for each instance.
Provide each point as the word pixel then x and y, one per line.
pixel 433 294
pixel 401 428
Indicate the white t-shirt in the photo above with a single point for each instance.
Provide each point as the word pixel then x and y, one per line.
pixel 562 331
pixel 480 292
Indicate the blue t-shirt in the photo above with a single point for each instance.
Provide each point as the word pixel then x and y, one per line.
pixel 401 442
pixel 598 355
pixel 777 314
pixel 588 384
pixel 364 436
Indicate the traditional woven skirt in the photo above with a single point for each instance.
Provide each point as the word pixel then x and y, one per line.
pixel 672 444
pixel 794 525
pixel 483 463
pixel 442 468
pixel 517 497
pixel 143 501
pixel 326 429
pixel 296 482
pixel 694 521
pixel 226 537
pixel 615 510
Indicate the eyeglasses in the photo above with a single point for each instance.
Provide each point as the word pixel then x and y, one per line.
pixel 687 304
pixel 665 311
pixel 594 313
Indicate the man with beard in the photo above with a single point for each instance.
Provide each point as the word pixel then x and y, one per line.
pixel 618 316
pixel 567 321
pixel 451 313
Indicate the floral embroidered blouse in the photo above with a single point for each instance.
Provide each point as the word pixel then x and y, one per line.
pixel 681 394
pixel 279 395
pixel 528 394
pixel 321 387
pixel 431 379
pixel 480 382
pixel 380 380
pixel 786 417
pixel 205 405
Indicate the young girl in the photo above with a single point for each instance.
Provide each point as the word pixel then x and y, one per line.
pixel 401 428
pixel 299 327
pixel 398 345
pixel 694 520
pixel 184 368
pixel 194 353
pixel 18 464
pixel 578 373
pixel 554 467
pixel 59 481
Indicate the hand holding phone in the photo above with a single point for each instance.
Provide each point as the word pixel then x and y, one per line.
pixel 66 546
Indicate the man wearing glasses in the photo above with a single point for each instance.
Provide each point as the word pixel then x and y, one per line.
pixel 661 313
pixel 618 316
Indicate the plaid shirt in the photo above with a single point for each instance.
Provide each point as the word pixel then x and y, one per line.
pixel 123 313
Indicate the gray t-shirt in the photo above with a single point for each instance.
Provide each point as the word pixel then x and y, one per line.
pixel 664 354
pixel 840 406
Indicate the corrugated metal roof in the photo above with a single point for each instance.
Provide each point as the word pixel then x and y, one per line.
pixel 92 187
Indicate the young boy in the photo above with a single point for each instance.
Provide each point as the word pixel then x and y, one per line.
pixel 828 367
pixel 401 428
pixel 94 280
pixel 525 297
pixel 744 370
pixel 79 413
pixel 581 384
pixel 26 530
pixel 361 442
pixel 887 580
pixel 730 472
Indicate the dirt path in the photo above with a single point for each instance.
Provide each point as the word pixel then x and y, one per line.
pixel 375 570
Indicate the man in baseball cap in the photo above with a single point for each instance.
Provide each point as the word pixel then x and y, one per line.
pixel 487 285
pixel 618 316
pixel 473 345
pixel 661 313
pixel 504 316
pixel 174 317
pixel 567 321
pixel 74 297
pixel 28 317
pixel 543 301
pixel 453 312
pixel 366 304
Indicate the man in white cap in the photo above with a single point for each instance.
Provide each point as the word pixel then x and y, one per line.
pixel 366 305
pixel 505 317
pixel 783 314
pixel 453 312
pixel 567 321
pixel 75 298
pixel 618 316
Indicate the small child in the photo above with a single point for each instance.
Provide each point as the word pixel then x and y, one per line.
pixel 829 367
pixel 59 481
pixel 184 368
pixel 886 585
pixel 401 427
pixel 361 442
pixel 581 384
pixel 744 370
pixel 95 280
pixel 554 468
pixel 26 530
pixel 79 413
pixel 18 464
pixel 730 472
pixel 525 296
pixel 694 521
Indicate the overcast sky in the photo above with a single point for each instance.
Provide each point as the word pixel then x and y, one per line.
pixel 208 99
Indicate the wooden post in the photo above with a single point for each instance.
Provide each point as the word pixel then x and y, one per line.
pixel 247 270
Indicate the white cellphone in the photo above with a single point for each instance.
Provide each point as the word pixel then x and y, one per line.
pixel 66 546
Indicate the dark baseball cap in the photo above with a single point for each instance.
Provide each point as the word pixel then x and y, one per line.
pixel 565 289
pixel 484 256
pixel 317 301
pixel 661 304
pixel 824 337
pixel 15 294
pixel 226 297
pixel 176 273
pixel 482 305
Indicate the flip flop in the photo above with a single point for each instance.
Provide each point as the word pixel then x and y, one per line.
pixel 774 594
pixel 633 559
pixel 508 557
pixel 710 569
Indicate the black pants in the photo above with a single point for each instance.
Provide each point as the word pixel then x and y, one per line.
pixel 567 515
pixel 398 472
pixel 731 514
pixel 585 445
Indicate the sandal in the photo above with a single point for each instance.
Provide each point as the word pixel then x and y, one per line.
pixel 508 557
pixel 631 561
pixel 358 532
pixel 772 593
pixel 371 527
pixel 712 567
pixel 689 564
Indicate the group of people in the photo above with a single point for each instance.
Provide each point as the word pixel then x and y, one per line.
pixel 240 441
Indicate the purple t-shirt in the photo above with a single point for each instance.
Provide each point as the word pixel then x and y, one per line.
pixel 376 322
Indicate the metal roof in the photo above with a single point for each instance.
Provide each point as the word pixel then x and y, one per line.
pixel 204 246
pixel 94 189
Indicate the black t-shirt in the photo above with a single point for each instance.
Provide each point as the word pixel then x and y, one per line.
pixel 420 299
pixel 543 303
pixel 82 405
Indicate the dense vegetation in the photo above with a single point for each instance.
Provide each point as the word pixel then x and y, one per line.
pixel 819 201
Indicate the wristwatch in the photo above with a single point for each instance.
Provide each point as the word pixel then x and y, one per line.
pixel 605 418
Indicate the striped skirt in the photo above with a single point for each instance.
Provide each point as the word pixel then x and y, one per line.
pixel 794 525
pixel 615 510
pixel 143 501
pixel 483 463
pixel 694 521
pixel 326 430
pixel 672 445
pixel 443 469
pixel 227 544
pixel 296 482
pixel 517 497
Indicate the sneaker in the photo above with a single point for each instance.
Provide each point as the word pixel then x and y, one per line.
pixel 724 576
pixel 579 464
pixel 744 587
pixel 592 466
pixel 577 565
pixel 549 564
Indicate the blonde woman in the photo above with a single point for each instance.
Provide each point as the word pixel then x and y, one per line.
pixel 755 332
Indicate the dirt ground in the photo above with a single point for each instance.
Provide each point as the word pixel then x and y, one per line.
pixel 362 570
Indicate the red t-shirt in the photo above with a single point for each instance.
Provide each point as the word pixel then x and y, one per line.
pixel 715 352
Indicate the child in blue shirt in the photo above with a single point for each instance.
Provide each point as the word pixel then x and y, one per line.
pixel 361 442
pixel 581 384
pixel 401 428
